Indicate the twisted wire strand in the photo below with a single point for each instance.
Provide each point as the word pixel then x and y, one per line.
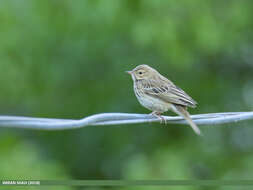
pixel 117 119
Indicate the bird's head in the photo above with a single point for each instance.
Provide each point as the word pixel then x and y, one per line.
pixel 142 72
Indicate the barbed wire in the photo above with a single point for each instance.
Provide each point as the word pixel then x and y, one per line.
pixel 117 119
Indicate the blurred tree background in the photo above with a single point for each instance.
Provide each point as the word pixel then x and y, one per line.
pixel 66 59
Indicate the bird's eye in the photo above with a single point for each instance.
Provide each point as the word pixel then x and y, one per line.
pixel 140 73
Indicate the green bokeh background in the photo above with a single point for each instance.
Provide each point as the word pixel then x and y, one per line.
pixel 66 59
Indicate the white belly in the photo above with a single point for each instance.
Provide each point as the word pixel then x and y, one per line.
pixel 154 104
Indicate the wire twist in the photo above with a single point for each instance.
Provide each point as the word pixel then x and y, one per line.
pixel 117 119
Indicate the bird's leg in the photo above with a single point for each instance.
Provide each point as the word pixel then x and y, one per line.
pixel 158 115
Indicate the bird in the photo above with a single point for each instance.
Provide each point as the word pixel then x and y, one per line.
pixel 158 94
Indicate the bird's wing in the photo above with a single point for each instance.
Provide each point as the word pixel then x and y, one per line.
pixel 168 92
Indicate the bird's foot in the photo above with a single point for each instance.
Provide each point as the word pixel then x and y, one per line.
pixel 158 115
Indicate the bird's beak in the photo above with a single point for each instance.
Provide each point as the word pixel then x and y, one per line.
pixel 129 72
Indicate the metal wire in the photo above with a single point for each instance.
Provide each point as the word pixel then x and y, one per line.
pixel 117 119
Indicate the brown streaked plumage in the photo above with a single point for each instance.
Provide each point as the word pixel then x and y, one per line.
pixel 158 94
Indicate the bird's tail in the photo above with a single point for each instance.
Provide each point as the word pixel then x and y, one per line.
pixel 184 113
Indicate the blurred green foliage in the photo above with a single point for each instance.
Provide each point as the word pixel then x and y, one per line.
pixel 66 59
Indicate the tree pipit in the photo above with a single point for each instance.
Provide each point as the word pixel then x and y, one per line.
pixel 158 94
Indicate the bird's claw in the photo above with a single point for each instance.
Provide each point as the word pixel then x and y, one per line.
pixel 158 115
